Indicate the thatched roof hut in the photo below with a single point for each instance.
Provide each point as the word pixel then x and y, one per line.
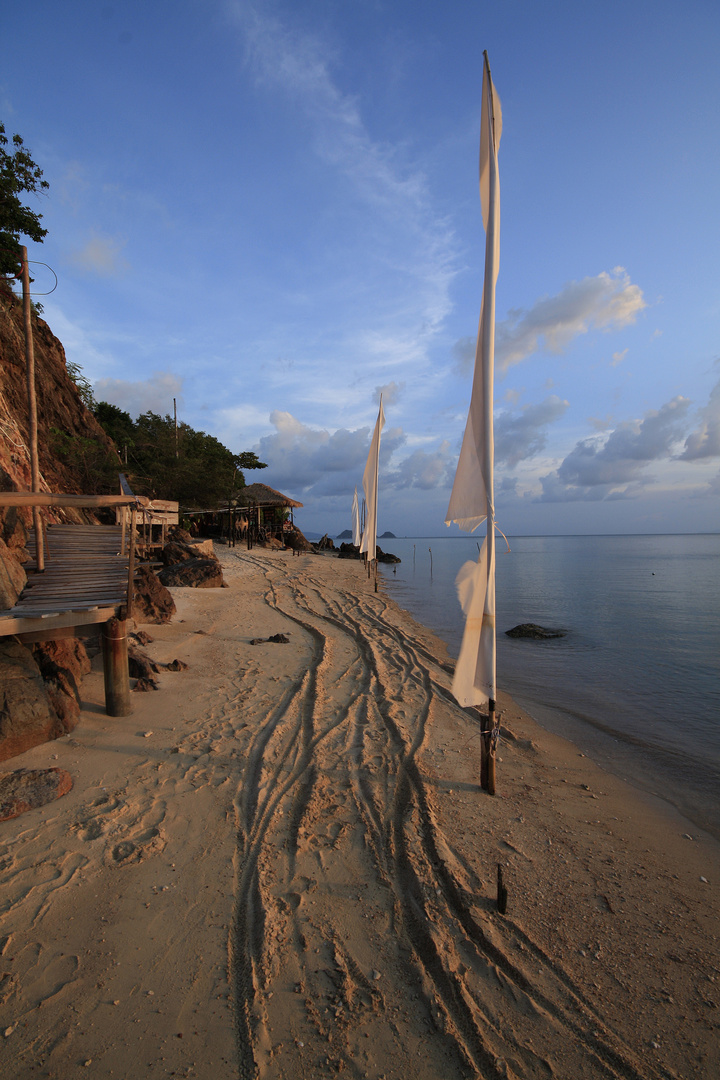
pixel 263 496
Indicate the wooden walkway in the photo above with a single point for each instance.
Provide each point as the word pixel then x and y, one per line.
pixel 85 581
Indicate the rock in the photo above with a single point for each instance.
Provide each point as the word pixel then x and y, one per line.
pixel 532 630
pixel 193 574
pixel 386 556
pixel 12 577
pixel 279 639
pixel 26 789
pixel 174 553
pixel 326 543
pixel 140 665
pixel 143 685
pixel 152 602
pixel 294 539
pixel 181 536
pixel 142 637
pixel 176 665
pixel 348 551
pixel 27 716
pixel 63 663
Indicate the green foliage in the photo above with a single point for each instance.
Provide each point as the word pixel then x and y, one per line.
pixel 95 466
pixel 83 384
pixel 18 174
pixel 196 470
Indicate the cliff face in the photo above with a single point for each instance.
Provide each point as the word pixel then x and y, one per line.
pixel 64 423
pixel 39 687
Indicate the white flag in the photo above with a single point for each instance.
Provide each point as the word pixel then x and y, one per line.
pixel 370 487
pixel 356 520
pixel 472 498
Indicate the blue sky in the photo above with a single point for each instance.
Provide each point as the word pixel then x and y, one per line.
pixel 269 210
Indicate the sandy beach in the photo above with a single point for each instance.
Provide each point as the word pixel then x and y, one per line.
pixel 282 865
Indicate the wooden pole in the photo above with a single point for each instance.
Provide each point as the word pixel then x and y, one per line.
pixel 492 743
pixel 131 563
pixel 115 668
pixel 484 744
pixel 32 408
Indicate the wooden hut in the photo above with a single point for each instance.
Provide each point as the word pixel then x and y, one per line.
pixel 268 512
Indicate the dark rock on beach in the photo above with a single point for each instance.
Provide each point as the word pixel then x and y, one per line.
pixel 535 632
pixel 193 574
pixel 26 789
pixel 152 602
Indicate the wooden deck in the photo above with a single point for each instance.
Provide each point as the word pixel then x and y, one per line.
pixel 85 581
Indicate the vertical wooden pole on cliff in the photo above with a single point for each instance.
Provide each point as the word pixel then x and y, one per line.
pixel 32 408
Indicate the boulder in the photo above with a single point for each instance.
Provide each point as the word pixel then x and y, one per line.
pixel 193 574
pixel 348 551
pixel 27 716
pixel 152 602
pixel 386 556
pixel 175 552
pixel 532 630
pixel 180 536
pixel 26 789
pixel 62 664
pixel 294 539
pixel 12 577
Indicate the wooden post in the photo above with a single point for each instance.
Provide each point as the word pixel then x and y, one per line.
pixel 32 409
pixel 484 743
pixel 491 746
pixel 131 564
pixel 115 668
pixel 123 529
pixel 502 893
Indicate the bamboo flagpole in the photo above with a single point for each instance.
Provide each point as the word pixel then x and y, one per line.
pixel 370 487
pixel 32 409
pixel 473 499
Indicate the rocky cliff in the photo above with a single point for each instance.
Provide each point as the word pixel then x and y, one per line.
pixel 39 685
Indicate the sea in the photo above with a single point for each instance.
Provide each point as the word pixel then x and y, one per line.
pixel 635 681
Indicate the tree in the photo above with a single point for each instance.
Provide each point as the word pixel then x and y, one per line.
pixel 197 471
pixel 18 173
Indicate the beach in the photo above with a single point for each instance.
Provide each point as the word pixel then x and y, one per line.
pixel 282 865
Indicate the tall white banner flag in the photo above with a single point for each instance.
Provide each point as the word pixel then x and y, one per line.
pixel 472 498
pixel 370 487
pixel 356 520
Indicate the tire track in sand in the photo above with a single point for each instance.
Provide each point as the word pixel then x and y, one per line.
pixel 499 1018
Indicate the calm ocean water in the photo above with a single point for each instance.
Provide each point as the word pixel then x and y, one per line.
pixel 636 681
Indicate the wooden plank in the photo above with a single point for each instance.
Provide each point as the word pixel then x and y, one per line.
pixel 20 624
pixel 42 498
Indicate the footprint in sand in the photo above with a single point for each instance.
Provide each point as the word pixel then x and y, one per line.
pixel 53 978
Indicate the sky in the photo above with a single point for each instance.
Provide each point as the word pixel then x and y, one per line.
pixel 268 210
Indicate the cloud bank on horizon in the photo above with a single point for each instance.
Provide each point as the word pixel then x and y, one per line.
pixel 286 225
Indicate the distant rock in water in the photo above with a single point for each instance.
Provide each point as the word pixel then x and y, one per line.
pixel 532 630
pixel 388 536
pixel 344 535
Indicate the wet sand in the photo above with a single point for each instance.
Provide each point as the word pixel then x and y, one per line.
pixel 282 865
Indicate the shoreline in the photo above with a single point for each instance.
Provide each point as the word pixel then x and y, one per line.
pixel 282 863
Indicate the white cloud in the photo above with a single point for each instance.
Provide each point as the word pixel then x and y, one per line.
pixel 524 435
pixel 616 466
pixel 705 441
pixel 606 302
pixel 101 255
pixel 390 393
pixel 150 395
